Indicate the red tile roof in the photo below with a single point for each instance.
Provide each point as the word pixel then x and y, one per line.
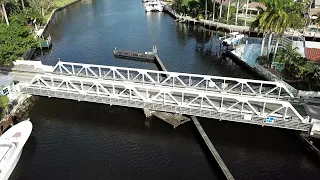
pixel 257 5
pixel 313 54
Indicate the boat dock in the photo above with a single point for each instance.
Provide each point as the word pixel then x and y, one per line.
pixel 45 43
pixel 134 55
pixel 212 149
pixel 149 57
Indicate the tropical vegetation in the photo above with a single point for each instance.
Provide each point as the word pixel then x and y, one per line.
pixel 3 106
pixel 18 18
pixel 214 10
pixel 275 20
pixel 278 17
pixel 293 67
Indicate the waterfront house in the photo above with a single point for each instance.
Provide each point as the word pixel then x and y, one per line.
pixel 314 8
pixel 254 9
pixel 7 86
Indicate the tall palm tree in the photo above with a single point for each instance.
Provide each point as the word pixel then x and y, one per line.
pixel 238 2
pixel 3 2
pixel 228 11
pixel 220 14
pixel 278 17
pixel 213 9
pixel 247 6
pixel 22 3
pixel 206 10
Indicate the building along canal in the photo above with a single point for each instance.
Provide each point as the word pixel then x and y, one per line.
pixel 80 140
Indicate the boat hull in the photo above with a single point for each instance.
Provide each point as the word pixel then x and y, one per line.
pixel 15 137
pixel 12 166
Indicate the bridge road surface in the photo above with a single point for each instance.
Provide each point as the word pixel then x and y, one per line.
pixel 21 77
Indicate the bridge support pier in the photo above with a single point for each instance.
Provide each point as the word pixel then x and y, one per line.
pixel 147 112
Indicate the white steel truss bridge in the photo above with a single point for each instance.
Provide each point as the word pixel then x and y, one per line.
pixel 238 86
pixel 177 95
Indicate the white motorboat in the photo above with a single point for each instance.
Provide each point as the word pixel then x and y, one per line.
pixel 11 144
pixel 153 6
pixel 233 39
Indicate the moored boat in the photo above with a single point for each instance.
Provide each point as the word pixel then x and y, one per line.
pixel 154 6
pixel 11 145
pixel 233 39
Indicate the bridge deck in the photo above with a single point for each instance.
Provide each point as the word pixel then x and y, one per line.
pixel 189 101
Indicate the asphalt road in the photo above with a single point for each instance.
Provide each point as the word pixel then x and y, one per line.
pixel 19 76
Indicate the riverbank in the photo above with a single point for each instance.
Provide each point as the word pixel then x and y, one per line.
pixel 206 23
pixel 19 112
pixel 60 4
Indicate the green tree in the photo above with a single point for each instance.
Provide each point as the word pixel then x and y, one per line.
pixel 4 100
pixel 14 41
pixel 42 6
pixel 279 16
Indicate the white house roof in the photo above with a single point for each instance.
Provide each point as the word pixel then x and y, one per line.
pixel 5 80
pixel 317 2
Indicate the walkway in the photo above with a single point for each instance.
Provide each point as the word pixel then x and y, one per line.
pixel 212 149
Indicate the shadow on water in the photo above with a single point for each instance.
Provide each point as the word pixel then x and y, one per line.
pixel 212 161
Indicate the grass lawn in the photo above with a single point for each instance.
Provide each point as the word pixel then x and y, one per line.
pixel 60 3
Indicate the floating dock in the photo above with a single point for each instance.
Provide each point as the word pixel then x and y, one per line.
pixel 45 43
pixel 212 149
pixel 134 55
pixel 149 57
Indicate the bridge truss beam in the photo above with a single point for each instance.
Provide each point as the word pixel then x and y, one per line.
pixel 173 79
pixel 189 101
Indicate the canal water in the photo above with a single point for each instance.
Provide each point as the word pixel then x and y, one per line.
pixel 80 140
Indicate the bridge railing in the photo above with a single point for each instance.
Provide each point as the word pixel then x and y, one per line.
pixel 174 79
pixel 246 109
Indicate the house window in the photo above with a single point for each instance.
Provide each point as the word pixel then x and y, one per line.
pixel 5 91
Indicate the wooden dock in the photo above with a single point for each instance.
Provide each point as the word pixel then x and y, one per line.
pixel 45 43
pixel 149 57
pixel 212 149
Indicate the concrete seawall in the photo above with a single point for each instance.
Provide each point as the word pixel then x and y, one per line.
pixel 206 23
pixel 56 10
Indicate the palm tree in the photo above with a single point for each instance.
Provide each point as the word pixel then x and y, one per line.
pixel 213 10
pixel 3 2
pixel 247 6
pixel 238 2
pixel 206 10
pixel 228 10
pixel 220 14
pixel 278 17
pixel 22 3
